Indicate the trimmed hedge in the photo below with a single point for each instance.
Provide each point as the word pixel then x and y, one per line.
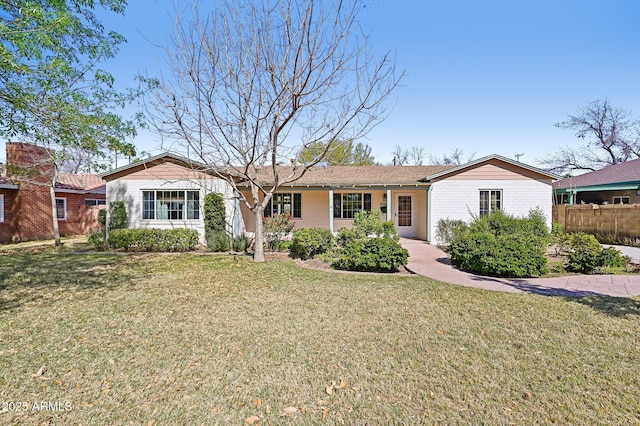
pixel 517 255
pixel 152 239
pixel 372 255
pixel 308 242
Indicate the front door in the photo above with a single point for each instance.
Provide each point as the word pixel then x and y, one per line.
pixel 404 215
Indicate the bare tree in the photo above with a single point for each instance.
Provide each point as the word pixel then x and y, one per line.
pixel 400 155
pixel 456 157
pixel 413 155
pixel 611 135
pixel 255 83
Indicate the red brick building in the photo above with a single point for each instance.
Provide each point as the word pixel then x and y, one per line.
pixel 25 200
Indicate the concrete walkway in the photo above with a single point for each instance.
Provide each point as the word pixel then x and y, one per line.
pixel 432 262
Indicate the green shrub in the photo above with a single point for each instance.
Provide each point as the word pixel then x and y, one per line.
pixel 102 217
pixel 610 257
pixel 152 239
pixel 347 235
pixel 240 243
pixel 502 245
pixel 96 239
pixel 218 241
pixel 372 255
pixel 447 229
pixel 215 215
pixel 277 227
pixel 559 239
pixel 118 218
pixel 371 223
pixel 585 252
pixel 308 242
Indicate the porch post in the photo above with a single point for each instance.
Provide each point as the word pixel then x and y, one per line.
pixel 571 199
pixel 429 214
pixel 388 205
pixel 331 210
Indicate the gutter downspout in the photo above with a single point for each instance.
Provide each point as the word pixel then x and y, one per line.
pixel 331 210
pixel 388 205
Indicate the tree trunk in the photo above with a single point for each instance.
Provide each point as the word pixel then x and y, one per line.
pixel 258 249
pixel 54 216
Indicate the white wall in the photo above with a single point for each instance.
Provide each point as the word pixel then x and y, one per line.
pixel 130 191
pixel 459 199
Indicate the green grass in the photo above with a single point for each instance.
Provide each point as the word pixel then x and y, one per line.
pixel 216 339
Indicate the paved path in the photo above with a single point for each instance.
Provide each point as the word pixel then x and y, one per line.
pixel 430 261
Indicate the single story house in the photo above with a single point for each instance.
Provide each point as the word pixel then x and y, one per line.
pixel 25 204
pixel 615 184
pixel 166 191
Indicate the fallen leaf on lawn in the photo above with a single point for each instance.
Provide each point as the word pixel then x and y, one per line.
pixel 40 371
pixel 151 422
pixel 257 402
pixel 289 410
pixel 329 390
pixel 267 409
pixel 343 384
pixel 251 420
pixel 324 413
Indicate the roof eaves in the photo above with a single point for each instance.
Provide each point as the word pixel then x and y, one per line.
pixel 487 158
pixel 155 158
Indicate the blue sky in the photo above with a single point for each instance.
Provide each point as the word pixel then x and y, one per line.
pixel 486 76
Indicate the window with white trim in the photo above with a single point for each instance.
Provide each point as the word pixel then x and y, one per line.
pixel 170 205
pixel 1 208
pixel 621 200
pixel 286 202
pixel 346 205
pixel 490 200
pixel 93 202
pixel 61 208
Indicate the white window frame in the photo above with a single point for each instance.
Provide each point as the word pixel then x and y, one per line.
pixel 621 199
pixel 185 204
pixel 344 200
pixel 491 200
pixel 1 208
pixel 96 202
pixel 64 207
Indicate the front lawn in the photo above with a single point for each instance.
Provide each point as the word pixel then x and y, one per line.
pixel 217 339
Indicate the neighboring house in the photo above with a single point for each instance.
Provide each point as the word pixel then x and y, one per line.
pixel 165 191
pixel 25 206
pixel 616 184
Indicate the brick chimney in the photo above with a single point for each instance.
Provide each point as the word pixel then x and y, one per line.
pixel 29 162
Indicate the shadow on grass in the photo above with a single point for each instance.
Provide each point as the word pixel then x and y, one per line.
pixel 609 305
pixel 612 306
pixel 54 274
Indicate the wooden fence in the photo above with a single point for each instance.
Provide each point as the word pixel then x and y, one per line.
pixel 616 219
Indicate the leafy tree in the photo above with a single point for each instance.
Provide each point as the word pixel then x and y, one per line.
pixel 51 91
pixel 343 154
pixel 611 135
pixel 252 87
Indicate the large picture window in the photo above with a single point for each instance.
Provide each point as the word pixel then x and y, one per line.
pixel 285 203
pixel 170 205
pixel 490 200
pixel 346 205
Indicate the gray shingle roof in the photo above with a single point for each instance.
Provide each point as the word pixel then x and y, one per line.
pixel 628 171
